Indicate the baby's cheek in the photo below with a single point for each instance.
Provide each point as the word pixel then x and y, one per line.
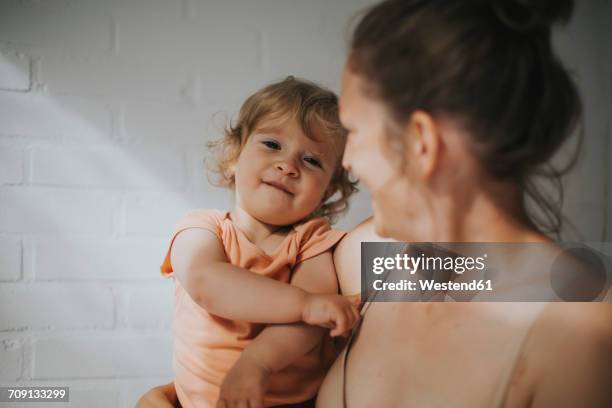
pixel 314 194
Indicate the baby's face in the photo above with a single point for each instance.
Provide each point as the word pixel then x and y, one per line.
pixel 281 174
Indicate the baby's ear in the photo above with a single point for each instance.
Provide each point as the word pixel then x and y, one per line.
pixel 230 170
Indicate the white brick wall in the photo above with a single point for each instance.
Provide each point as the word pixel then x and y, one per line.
pixel 14 71
pixel 11 164
pixel 105 110
pixel 108 167
pixel 38 115
pixel 102 356
pixel 10 259
pixel 96 259
pixel 45 210
pixel 11 355
pixel 34 306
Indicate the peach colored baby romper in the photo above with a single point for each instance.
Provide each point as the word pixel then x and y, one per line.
pixel 207 346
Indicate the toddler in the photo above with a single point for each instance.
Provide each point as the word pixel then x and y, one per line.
pixel 282 159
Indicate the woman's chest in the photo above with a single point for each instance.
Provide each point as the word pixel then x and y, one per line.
pixel 416 355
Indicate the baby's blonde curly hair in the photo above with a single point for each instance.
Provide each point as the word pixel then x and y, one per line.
pixel 316 111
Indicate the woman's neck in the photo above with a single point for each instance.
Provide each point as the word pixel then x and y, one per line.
pixel 255 230
pixel 490 212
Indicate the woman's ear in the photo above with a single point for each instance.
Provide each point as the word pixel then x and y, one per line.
pixel 424 143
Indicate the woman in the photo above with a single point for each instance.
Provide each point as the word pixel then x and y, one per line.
pixel 452 108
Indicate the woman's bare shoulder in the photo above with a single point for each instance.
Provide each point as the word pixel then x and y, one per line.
pixel 363 232
pixel 583 321
pixel 569 354
pixel 347 259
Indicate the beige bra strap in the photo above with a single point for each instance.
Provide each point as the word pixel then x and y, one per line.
pixel 345 351
pixel 501 393
pixel 343 356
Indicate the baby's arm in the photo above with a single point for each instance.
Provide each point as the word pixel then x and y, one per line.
pixel 277 346
pixel 200 265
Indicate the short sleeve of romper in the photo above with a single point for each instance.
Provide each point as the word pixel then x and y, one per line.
pixel 315 237
pixel 210 220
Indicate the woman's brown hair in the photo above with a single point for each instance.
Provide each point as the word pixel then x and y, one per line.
pixel 314 108
pixel 488 63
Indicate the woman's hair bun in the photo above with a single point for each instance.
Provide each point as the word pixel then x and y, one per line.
pixel 530 15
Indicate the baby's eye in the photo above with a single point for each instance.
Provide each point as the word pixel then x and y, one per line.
pixel 271 144
pixel 313 161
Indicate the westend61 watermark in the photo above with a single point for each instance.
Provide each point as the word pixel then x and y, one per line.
pixel 487 272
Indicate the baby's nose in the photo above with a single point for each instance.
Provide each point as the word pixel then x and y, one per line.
pixel 287 168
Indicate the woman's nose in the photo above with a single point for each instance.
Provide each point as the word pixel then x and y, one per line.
pixel 346 158
pixel 287 168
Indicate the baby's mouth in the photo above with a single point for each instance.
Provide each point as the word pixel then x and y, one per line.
pixel 279 186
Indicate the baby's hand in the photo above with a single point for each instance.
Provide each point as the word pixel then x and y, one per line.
pixel 335 312
pixel 244 385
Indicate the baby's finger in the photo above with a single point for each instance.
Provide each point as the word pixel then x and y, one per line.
pixel 221 404
pixel 255 402
pixel 343 323
pixel 340 326
pixel 352 318
pixel 327 324
pixel 355 300
pixel 233 403
pixel 255 398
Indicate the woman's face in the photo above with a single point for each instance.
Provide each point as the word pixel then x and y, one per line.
pixel 368 156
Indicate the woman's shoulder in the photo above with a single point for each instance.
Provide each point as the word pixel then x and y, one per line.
pixel 348 265
pixel 583 319
pixel 581 322
pixel 570 348
pixel 351 244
